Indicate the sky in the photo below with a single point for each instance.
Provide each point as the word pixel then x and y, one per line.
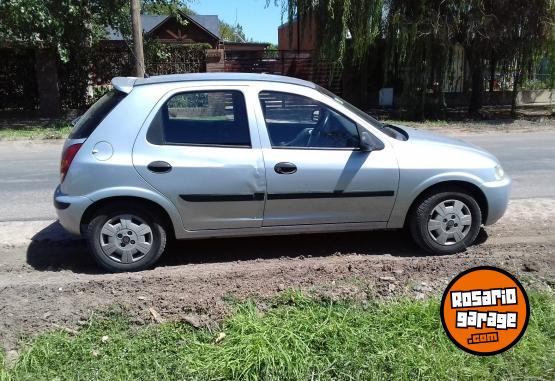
pixel 259 23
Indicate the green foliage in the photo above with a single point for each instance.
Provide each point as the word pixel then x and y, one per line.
pixel 160 52
pixel 232 33
pixel 165 7
pixel 550 57
pixel 418 39
pixel 71 25
pixel 73 29
pixel 291 338
pixel 63 24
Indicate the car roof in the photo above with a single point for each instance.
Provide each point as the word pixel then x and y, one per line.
pixel 126 84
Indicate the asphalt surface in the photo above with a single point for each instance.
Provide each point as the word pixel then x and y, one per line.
pixel 29 171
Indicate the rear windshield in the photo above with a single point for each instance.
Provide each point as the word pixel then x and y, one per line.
pixel 94 115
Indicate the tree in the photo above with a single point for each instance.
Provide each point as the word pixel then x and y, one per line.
pixel 137 30
pixel 528 34
pixel 232 33
pixel 62 25
pixel 68 29
pixel 418 39
pixel 61 33
pixel 338 21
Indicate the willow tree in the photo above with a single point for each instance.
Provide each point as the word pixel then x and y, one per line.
pixel 418 37
pixel 338 21
pixel 406 39
pixel 348 30
pixel 527 35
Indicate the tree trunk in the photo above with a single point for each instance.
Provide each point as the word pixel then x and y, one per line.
pixel 516 84
pixel 46 72
pixel 137 38
pixel 516 81
pixel 477 89
pixel 492 67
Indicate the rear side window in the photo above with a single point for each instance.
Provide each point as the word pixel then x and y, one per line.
pixel 94 115
pixel 205 118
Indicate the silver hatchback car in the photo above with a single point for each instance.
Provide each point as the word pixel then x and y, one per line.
pixel 221 155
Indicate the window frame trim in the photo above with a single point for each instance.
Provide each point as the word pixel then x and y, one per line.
pixel 200 89
pixel 348 149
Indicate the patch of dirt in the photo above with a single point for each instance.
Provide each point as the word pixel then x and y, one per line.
pixel 486 126
pixel 51 284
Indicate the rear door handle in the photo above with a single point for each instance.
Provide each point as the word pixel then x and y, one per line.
pixel 159 167
pixel 285 168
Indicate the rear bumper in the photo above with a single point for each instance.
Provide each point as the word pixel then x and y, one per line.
pixel 70 210
pixel 497 194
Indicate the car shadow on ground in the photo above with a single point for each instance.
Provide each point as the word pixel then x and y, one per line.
pixel 48 252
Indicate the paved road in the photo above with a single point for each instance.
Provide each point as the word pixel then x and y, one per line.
pixel 29 171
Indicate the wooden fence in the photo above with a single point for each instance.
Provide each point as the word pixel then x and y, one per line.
pixel 293 63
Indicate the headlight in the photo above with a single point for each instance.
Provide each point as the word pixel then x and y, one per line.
pixel 499 172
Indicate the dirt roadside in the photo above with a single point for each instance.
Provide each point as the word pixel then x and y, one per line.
pixel 471 127
pixel 450 127
pixel 52 281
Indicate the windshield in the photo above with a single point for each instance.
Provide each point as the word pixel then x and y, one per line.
pixel 94 115
pixel 367 118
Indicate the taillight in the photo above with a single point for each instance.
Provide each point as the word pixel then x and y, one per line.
pixel 67 158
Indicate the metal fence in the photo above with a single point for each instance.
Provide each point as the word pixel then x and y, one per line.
pixel 18 85
pixel 111 60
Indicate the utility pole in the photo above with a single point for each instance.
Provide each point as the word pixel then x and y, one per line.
pixel 137 38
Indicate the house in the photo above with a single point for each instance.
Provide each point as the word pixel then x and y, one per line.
pixel 168 29
pixel 197 29
pixel 298 36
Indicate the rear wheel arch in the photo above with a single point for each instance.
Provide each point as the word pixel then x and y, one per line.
pixel 131 201
pixel 457 186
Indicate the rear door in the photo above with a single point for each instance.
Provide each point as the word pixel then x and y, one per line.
pixel 200 148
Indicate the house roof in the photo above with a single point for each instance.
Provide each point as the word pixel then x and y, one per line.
pixel 150 22
pixel 210 23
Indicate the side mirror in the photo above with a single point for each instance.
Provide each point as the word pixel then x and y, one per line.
pixel 369 142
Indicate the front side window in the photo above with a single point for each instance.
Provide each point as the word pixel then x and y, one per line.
pixel 206 118
pixel 296 121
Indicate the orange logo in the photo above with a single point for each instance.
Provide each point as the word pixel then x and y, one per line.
pixel 485 310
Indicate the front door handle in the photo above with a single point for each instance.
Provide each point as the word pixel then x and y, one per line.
pixel 285 168
pixel 159 167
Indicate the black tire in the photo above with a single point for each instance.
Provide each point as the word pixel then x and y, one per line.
pixel 418 221
pixel 105 214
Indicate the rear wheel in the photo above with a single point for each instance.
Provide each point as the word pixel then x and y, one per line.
pixel 445 222
pixel 126 238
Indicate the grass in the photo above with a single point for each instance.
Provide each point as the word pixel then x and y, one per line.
pixel 50 130
pixel 296 338
pixel 426 123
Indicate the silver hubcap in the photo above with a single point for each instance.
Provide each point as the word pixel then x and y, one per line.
pixel 449 222
pixel 125 238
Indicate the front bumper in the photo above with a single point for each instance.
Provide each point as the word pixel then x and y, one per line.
pixel 70 210
pixel 497 195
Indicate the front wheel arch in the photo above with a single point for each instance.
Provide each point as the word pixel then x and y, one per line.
pixel 457 186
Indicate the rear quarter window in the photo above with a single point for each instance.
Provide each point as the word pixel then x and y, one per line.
pixel 95 114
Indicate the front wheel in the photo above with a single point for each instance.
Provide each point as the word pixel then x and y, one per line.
pixel 446 222
pixel 126 238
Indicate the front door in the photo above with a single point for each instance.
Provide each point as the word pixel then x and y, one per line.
pixel 315 172
pixel 200 151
